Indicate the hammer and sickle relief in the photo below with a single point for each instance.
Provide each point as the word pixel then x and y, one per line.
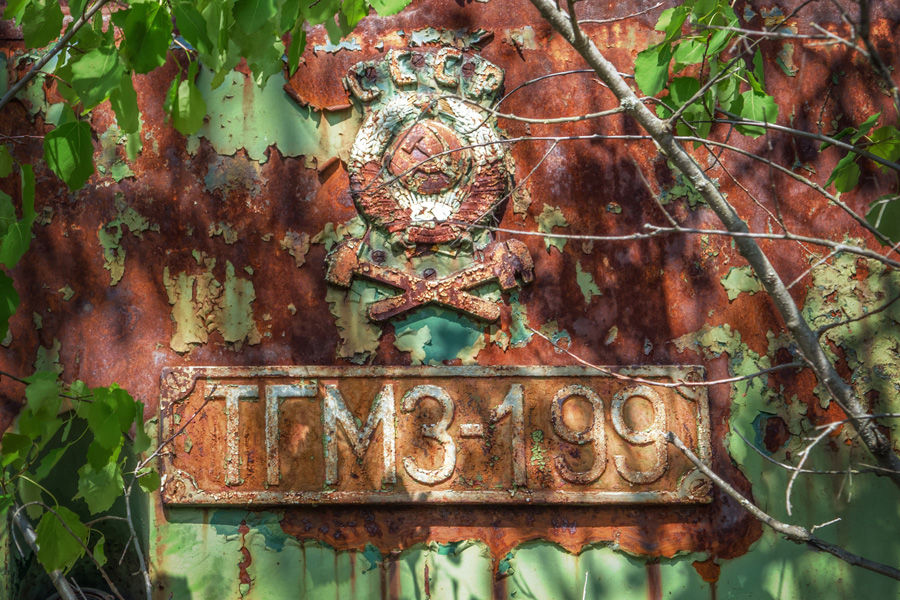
pixel 426 169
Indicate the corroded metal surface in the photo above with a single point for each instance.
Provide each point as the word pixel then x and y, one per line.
pixel 501 262
pixel 471 435
pixel 265 181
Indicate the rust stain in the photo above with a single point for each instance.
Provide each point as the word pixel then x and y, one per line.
pixel 245 553
pixel 654 290
pixel 654 581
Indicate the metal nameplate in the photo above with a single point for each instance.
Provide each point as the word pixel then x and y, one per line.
pixel 468 435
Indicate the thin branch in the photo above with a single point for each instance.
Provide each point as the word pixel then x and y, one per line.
pixel 795 533
pixel 56 576
pixel 17 514
pixel 836 246
pixel 788 467
pixel 614 19
pixel 804 454
pixel 876 441
pixel 800 178
pixel 63 41
pixel 680 383
pixel 737 120
pixel 821 330
pixel 762 33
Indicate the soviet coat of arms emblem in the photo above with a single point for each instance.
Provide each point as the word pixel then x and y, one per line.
pixel 428 170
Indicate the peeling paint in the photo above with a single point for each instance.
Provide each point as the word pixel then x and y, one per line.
pixel 47 359
pixel 110 236
pixel 549 218
pixel 245 116
pixel 785 60
pixel 297 245
pixel 229 174
pixel 521 38
pixel 226 230
pixel 739 280
pixel 458 38
pixel 585 281
pixel 202 305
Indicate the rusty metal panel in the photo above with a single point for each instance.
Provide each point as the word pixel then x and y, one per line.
pixel 497 435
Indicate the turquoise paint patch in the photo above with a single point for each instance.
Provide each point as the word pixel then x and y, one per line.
pixel 451 332
pixel 267 524
pixel 243 115
pixel 373 555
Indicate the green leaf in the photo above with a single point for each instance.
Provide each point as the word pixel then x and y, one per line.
pixel 8 216
pixel 333 31
pixel 718 40
pixel 758 71
pixel 123 100
pixel 681 90
pixel 69 153
pixel 104 423
pixel 755 106
pixel 192 27
pixel 9 302
pixel 838 136
pixel 76 8
pixel 17 238
pixel 13 447
pixel 263 52
pixel 148 32
pixel 149 480
pixel 846 174
pixel 702 8
pixel 6 501
pixel 866 126
pixel 184 103
pixel 48 462
pixel 6 162
pixel 100 488
pixel 690 52
pixel 884 215
pixel 728 92
pixel 42 23
pixel 670 21
pixel 141 439
pixel 253 14
pixel 14 10
pixel 42 393
pixel 29 493
pixel 388 7
pixel 57 547
pixel 298 44
pixel 353 12
pixel 886 144
pixel 98 455
pixel 91 37
pixel 96 74
pixel 651 68
pixel 99 551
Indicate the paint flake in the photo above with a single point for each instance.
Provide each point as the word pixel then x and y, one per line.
pixel 549 218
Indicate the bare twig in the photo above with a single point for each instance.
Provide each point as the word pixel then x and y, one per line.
pixel 622 18
pixel 663 384
pixel 825 328
pixel 17 515
pixel 62 43
pixel 59 581
pixel 795 533
pixel 878 444
pixel 804 454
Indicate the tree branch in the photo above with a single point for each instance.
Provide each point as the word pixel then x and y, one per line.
pixel 795 533
pixel 806 339
pixel 63 41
